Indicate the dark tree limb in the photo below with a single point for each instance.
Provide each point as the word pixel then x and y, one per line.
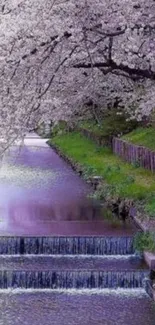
pixel 133 73
pixel 110 48
pixel 109 34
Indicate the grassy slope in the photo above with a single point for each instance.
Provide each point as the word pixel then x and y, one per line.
pixel 142 136
pixel 127 180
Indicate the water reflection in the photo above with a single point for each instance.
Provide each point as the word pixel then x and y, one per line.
pixel 76 309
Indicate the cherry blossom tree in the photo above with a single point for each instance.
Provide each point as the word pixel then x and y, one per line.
pixel 119 39
pixel 58 56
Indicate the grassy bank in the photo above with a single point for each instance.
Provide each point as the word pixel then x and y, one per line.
pixel 120 179
pixel 142 136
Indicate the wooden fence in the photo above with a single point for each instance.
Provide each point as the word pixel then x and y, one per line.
pixel 134 154
pixel 131 153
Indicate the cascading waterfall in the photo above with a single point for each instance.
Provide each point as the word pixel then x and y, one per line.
pixel 78 276
pixel 72 279
pixel 67 245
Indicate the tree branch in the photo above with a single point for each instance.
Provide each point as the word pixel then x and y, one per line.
pixel 132 72
pixel 109 34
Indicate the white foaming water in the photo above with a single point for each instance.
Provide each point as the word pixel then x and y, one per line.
pixel 108 257
pixel 139 292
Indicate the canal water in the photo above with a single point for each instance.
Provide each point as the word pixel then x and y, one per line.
pixel 40 195
pixel 72 308
pixel 58 264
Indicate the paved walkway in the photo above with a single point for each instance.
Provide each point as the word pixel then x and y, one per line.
pixel 40 195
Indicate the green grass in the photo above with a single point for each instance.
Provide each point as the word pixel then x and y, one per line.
pixel 124 179
pixel 142 136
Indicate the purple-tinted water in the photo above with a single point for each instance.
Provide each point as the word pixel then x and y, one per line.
pixel 41 195
pixel 44 308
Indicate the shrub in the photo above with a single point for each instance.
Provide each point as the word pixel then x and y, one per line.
pixel 59 128
pixel 112 124
pixel 150 207
pixel 89 171
pixel 144 241
pixel 136 164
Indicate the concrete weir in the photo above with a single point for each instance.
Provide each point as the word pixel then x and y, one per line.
pixel 67 245
pixel 70 263
pixel 72 279
pixel 59 275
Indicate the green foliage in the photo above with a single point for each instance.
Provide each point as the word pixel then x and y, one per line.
pixel 150 207
pixel 89 171
pixel 108 216
pixel 134 191
pixel 113 124
pixel 130 179
pixel 136 164
pixel 98 149
pixel 60 128
pixel 144 241
pixel 104 191
pixel 142 136
pixel 112 169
